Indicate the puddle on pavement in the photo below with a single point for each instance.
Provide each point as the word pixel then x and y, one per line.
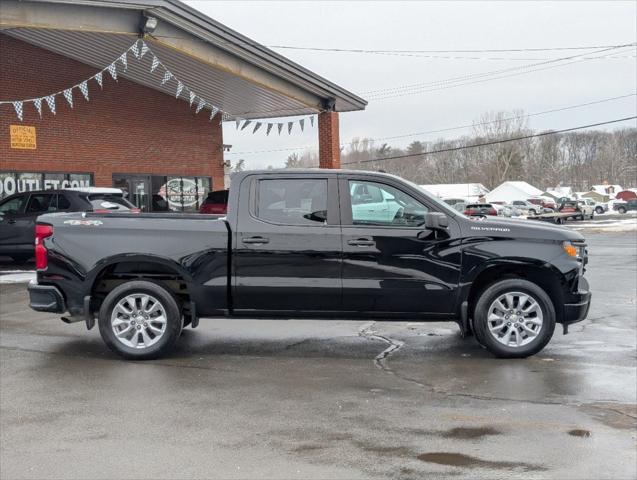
pixel 461 460
pixel 468 433
pixel 579 432
pixel 307 448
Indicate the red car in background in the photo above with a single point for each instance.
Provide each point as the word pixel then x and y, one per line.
pixel 215 203
pixel 543 202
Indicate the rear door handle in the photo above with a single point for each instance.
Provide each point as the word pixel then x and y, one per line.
pixel 361 242
pixel 255 240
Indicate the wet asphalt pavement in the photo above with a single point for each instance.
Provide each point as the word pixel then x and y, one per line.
pixel 338 399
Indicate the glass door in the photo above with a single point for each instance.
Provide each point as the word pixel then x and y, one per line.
pixel 136 189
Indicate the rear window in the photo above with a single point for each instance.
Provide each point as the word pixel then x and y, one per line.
pixel 102 201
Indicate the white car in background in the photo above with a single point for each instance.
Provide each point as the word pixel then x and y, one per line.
pixel 598 207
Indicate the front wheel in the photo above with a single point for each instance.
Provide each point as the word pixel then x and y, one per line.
pixel 140 320
pixel 621 210
pixel 599 210
pixel 514 318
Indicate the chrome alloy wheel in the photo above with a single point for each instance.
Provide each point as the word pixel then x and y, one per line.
pixel 515 319
pixel 138 320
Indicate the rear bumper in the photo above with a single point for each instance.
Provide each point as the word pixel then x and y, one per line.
pixel 579 303
pixel 45 298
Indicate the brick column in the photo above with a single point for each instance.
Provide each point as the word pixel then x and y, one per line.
pixel 329 143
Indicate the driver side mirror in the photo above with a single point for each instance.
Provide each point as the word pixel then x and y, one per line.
pixel 436 221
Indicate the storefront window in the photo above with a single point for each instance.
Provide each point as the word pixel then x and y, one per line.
pixel 15 182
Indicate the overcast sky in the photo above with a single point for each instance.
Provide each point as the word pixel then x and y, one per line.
pixel 442 26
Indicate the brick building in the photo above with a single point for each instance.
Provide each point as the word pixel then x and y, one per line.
pixel 133 132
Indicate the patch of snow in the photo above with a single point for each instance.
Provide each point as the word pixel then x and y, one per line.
pixel 21 277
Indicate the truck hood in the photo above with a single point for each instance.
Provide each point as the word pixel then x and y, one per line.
pixel 511 227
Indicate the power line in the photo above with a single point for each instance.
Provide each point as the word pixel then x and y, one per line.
pixel 460 127
pixel 495 142
pixel 482 50
pixel 382 91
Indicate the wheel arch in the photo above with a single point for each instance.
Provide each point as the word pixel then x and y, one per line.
pixel 542 274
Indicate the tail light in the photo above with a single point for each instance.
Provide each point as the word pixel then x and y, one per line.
pixel 467 212
pixel 492 211
pixel 41 258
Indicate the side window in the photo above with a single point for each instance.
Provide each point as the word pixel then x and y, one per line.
pixel 388 206
pixel 63 202
pixel 292 201
pixel 13 206
pixel 41 203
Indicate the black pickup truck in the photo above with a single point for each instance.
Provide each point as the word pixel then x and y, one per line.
pixel 311 244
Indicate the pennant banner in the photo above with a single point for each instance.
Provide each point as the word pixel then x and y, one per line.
pixel 68 94
pixel 112 69
pixel 98 78
pixel 84 89
pixel 124 60
pixel 50 101
pixel 269 127
pixel 18 109
pixel 38 105
pixel 180 87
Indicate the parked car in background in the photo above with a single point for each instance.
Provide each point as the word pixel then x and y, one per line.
pixel 578 208
pixel 460 206
pixel 598 207
pixel 623 207
pixel 479 210
pixel 527 208
pixel 18 213
pixel 543 202
pixel 215 203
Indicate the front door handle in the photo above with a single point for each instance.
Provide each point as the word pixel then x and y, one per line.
pixel 11 221
pixel 255 240
pixel 361 242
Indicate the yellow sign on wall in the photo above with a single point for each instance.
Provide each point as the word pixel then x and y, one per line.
pixel 22 137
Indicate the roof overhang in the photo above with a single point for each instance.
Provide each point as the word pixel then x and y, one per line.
pixel 243 78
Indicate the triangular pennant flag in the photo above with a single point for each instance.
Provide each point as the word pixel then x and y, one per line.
pixel 144 50
pixel 68 94
pixel 224 116
pixel 180 87
pixel 237 121
pixel 280 127
pixel 112 69
pixel 268 128
pixel 18 109
pixel 50 100
pixel 257 126
pixel 98 78
pixel 84 89
pixel 202 103
pixel 312 120
pixel 301 122
pixel 124 60
pixel 290 125
pixel 135 50
pixel 213 112
pixel 192 97
pixel 155 64
pixel 167 76
pixel 245 124
pixel 38 105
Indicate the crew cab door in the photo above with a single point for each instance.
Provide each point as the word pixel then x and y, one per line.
pixel 287 255
pixel 392 263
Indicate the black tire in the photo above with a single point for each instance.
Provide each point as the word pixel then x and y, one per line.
pixel 174 320
pixel 532 212
pixel 592 215
pixel 621 210
pixel 21 257
pixel 599 210
pixel 481 312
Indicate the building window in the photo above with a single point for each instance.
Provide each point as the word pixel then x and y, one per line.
pixel 17 182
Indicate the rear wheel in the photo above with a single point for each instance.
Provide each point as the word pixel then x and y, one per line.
pixel 599 210
pixel 621 210
pixel 140 320
pixel 514 318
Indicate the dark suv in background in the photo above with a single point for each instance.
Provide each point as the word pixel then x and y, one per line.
pixel 18 213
